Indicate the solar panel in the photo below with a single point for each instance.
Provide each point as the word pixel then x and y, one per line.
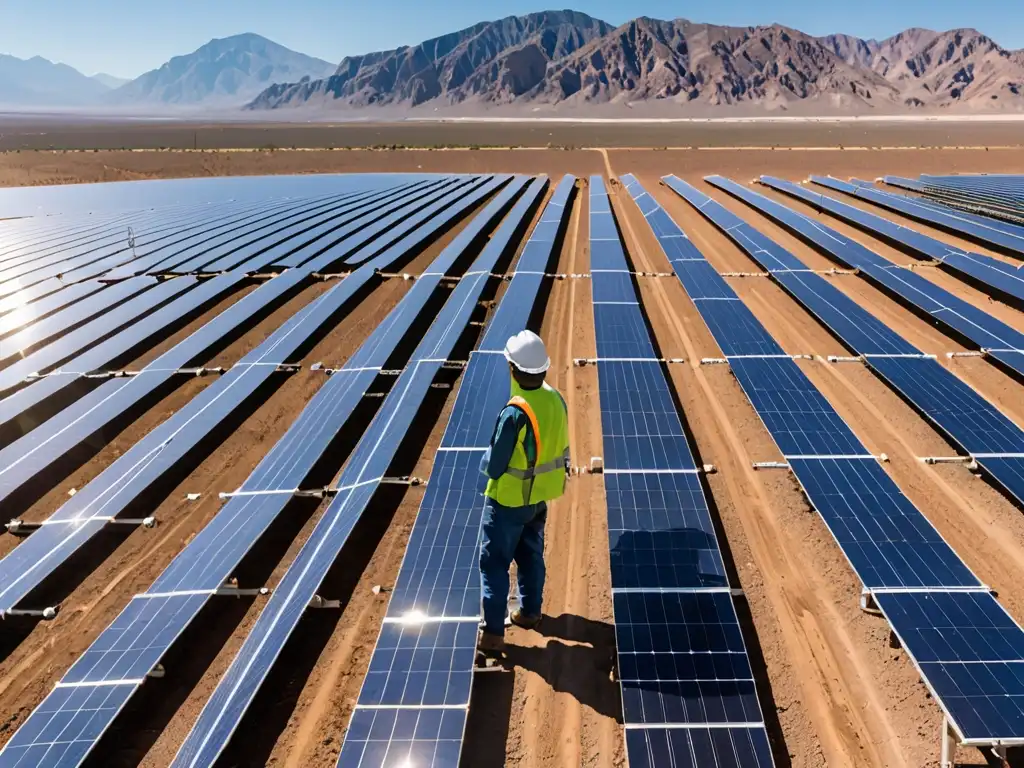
pixel 901 558
pixel 660 532
pixel 968 649
pixel 934 303
pixel 991 275
pixel 431 738
pixel 954 407
pixel 363 472
pixel 129 478
pixel 439 581
pixel 699 748
pixel 681 657
pixel 971 228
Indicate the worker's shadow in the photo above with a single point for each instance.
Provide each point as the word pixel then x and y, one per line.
pixel 577 659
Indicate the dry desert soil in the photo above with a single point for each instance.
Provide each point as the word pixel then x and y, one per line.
pixel 834 691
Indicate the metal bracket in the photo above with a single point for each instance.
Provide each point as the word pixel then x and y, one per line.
pixel 230 590
pixel 157 672
pixel 968 461
pixel 330 275
pixel 977 353
pixel 770 465
pixel 845 358
pixel 25 527
pixel 582 362
pixel 288 368
pixel 410 481
pixel 713 361
pixel 745 274
pixel 38 613
pixel 318 602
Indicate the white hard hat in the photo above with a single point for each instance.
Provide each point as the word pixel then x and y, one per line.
pixel 526 352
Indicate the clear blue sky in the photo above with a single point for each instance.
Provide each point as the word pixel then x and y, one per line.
pixel 128 37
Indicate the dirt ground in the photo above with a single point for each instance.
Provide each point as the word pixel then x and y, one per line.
pixel 834 692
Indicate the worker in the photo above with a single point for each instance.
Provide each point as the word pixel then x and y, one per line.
pixel 526 464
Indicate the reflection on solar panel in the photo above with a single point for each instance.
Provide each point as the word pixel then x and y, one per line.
pixel 123 655
pixel 428 662
pixel 894 550
pixel 682 662
pixel 43 451
pixel 970 421
pixel 996 196
pixel 169 446
pixel 365 469
pixel 934 303
pixel 988 274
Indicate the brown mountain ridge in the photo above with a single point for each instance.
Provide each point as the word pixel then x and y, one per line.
pixel 567 58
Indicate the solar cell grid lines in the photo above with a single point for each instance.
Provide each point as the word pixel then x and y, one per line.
pixel 363 472
pixel 681 658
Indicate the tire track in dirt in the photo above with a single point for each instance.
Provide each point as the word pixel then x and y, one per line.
pixel 832 687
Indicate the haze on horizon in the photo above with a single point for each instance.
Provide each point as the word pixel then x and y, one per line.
pixel 125 38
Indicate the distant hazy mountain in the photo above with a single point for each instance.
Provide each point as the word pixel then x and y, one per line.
pixel 224 72
pixel 110 81
pixel 568 58
pixel 37 82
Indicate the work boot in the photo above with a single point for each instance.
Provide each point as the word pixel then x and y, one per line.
pixel 490 644
pixel 523 620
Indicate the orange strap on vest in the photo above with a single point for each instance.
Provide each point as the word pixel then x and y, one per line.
pixel 524 406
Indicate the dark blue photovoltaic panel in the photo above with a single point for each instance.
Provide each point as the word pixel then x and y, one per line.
pixel 702 281
pixel 991 273
pixel 938 304
pixel 484 391
pixel 854 326
pixel 639 419
pixel 421 664
pixel 974 228
pixel 698 748
pixel 392 738
pixel 1009 471
pixel 613 286
pixel 953 626
pixel 440 576
pixel 133 644
pixel 736 330
pixel 65 726
pixel 799 418
pixel 622 332
pixel 89 334
pixel 969 651
pixel 682 659
pixel 887 540
pixel 660 532
pixel 607 255
pixel 366 467
pixel 953 406
pixel 61 323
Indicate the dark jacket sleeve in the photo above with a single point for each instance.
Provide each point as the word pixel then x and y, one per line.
pixel 495 461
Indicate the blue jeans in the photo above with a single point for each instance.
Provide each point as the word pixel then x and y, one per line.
pixel 511 533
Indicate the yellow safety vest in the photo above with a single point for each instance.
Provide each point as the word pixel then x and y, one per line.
pixel 523 483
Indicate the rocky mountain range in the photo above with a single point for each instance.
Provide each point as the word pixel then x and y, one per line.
pixel 568 59
pixel 228 71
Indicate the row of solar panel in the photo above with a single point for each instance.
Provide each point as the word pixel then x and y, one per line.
pixel 424 657
pixel 970 421
pixel 363 473
pixel 178 594
pixel 688 691
pixel 989 274
pixel 936 606
pixel 170 446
